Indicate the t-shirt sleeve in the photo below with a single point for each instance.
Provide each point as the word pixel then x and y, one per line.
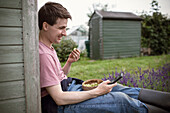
pixel 48 76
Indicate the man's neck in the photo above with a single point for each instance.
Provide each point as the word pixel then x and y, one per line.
pixel 44 40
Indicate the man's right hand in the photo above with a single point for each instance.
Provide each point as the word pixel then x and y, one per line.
pixel 74 56
pixel 103 88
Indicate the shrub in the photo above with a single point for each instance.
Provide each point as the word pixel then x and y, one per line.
pixel 156 31
pixel 83 53
pixel 64 48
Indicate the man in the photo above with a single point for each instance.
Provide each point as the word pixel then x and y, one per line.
pixel 105 98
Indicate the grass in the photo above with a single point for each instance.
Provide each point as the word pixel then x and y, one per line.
pixel 89 69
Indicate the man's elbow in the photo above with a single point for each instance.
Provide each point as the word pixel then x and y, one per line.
pixel 60 102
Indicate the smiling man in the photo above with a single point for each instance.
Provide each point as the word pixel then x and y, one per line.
pixel 60 94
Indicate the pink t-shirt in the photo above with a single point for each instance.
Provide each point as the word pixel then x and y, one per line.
pixel 50 68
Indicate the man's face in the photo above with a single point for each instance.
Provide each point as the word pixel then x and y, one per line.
pixel 57 31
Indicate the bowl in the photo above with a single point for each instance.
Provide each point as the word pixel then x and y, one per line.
pixel 91 84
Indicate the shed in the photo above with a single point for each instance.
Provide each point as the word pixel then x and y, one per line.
pixel 19 57
pixel 114 35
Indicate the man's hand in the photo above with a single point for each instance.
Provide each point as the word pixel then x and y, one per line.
pixel 103 88
pixel 74 56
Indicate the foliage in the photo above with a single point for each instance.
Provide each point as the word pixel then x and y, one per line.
pixel 83 53
pixel 156 31
pixel 64 48
pixel 157 79
pixel 99 6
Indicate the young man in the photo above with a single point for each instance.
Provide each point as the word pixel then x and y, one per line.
pixel 105 98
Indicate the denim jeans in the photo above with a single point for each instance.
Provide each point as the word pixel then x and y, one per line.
pixel 121 99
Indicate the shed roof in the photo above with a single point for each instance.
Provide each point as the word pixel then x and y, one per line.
pixel 117 15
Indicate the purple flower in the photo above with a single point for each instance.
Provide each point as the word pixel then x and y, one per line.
pixel 157 79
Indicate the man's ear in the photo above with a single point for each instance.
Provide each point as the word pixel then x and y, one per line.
pixel 45 26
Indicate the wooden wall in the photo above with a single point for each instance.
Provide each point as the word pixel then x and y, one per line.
pixel 95 37
pixel 121 38
pixel 18 69
pixel 12 96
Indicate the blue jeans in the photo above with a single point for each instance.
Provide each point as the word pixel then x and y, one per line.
pixel 121 99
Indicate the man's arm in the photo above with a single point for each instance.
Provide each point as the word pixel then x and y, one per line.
pixel 72 97
pixel 67 67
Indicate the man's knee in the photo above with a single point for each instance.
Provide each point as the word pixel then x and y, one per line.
pixel 120 97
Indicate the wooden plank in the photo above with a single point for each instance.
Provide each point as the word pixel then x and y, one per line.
pixel 121 40
pixel 121 32
pixel 13 106
pixel 121 51
pixel 10 3
pixel 125 51
pixel 10 17
pixel 10 90
pixel 95 39
pixel 119 36
pixel 10 35
pixel 31 56
pixel 11 72
pixel 129 47
pixel 120 56
pixel 135 50
pixel 121 45
pixel 120 23
pixel 11 54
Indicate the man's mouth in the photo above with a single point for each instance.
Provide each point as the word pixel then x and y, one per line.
pixel 59 38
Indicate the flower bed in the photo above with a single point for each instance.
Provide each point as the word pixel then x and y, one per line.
pixel 157 79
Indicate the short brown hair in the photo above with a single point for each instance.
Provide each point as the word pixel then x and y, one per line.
pixel 50 12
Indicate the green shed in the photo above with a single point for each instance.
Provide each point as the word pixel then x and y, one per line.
pixel 19 57
pixel 114 35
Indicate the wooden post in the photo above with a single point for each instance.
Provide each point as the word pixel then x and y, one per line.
pixel 31 56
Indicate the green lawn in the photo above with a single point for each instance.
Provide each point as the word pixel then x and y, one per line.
pixel 88 69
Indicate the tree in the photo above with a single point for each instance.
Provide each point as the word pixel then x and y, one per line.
pixel 98 6
pixel 156 31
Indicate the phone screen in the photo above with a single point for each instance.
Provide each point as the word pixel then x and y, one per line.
pixel 116 79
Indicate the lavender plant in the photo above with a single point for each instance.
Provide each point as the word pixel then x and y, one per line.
pixel 157 79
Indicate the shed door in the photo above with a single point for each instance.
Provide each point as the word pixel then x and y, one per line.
pixel 95 39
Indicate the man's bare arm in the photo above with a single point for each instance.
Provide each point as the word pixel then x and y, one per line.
pixel 72 97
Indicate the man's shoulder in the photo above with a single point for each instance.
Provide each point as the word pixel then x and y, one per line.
pixel 44 50
pixel 46 55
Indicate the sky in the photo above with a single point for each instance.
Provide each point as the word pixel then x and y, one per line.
pixel 79 8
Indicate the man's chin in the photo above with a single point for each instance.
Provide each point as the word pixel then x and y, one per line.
pixel 57 42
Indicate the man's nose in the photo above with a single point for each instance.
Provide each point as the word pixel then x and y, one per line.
pixel 64 32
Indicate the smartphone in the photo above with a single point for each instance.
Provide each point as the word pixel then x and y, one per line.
pixel 116 79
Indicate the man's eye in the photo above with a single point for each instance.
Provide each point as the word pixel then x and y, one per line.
pixel 60 28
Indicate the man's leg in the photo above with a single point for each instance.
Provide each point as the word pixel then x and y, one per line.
pixel 130 91
pixel 113 102
pixel 156 101
pixel 155 109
